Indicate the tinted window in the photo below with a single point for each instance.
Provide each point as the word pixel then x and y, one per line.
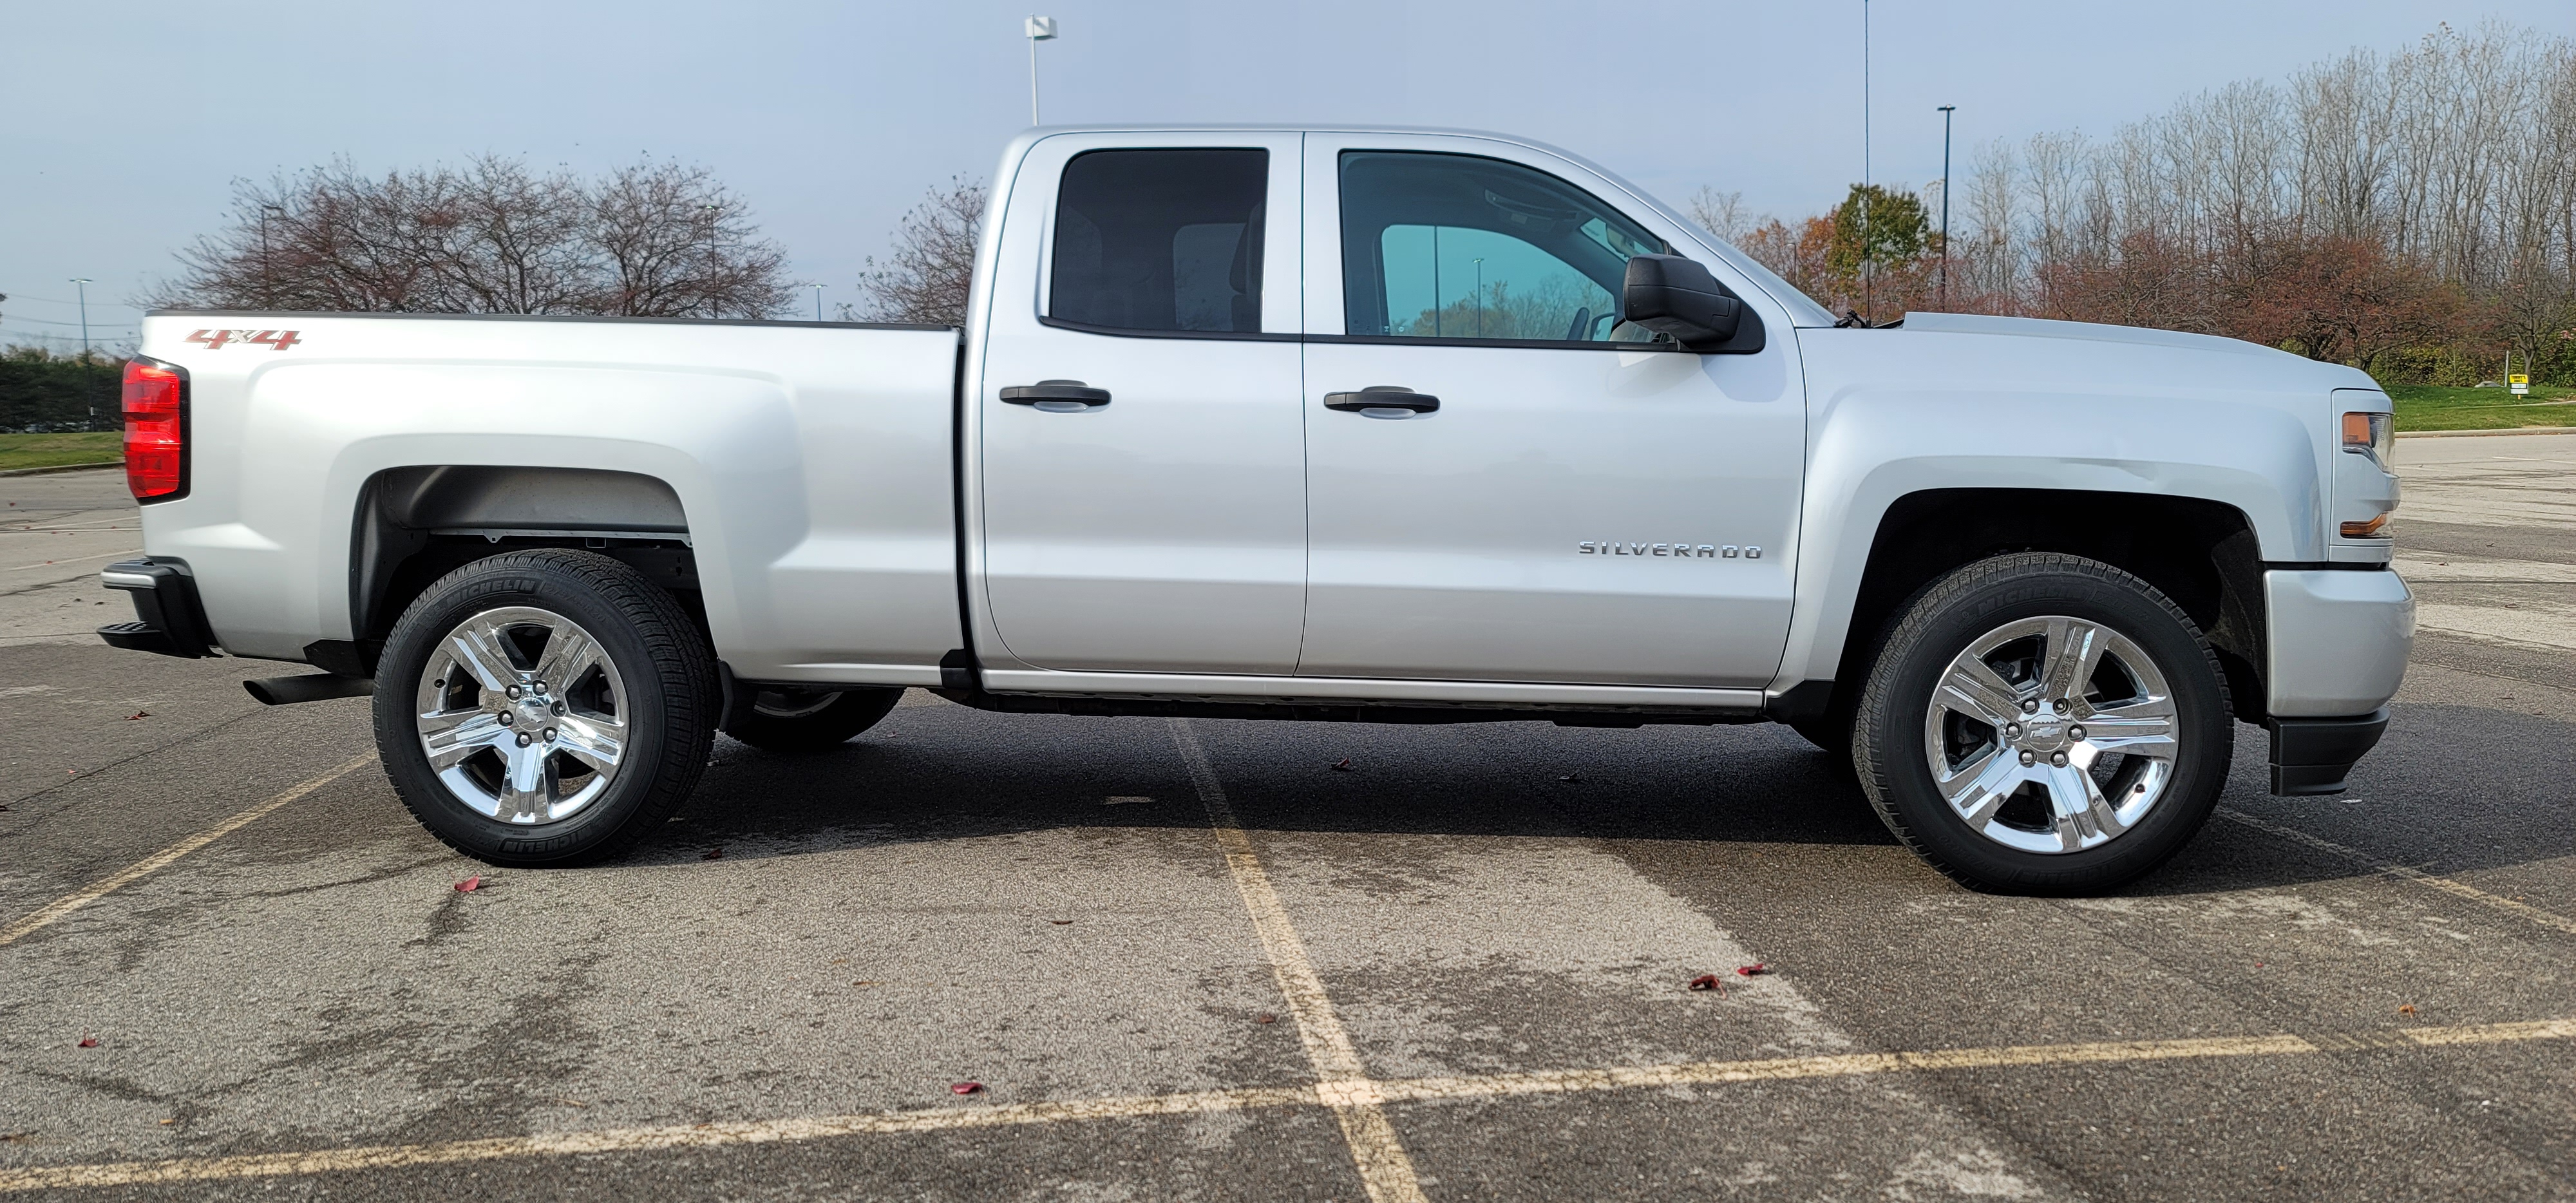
pixel 1454 246
pixel 1161 240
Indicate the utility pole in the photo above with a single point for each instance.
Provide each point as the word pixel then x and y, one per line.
pixel 818 301
pixel 83 283
pixel 267 277
pixel 1039 29
pixel 1866 257
pixel 1946 110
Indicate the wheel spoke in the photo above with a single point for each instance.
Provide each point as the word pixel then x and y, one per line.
pixel 2083 815
pixel 2145 726
pixel 2073 650
pixel 529 791
pixel 450 736
pixel 1974 688
pixel 477 648
pixel 1981 786
pixel 569 654
pixel 594 740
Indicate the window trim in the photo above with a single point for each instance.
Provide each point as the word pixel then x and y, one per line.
pixel 1240 336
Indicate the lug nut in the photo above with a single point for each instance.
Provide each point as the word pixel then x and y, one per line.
pixel 2075 732
pixel 550 735
pixel 513 691
pixel 2030 706
pixel 2012 730
pixel 2059 705
pixel 2059 759
pixel 540 687
pixel 558 707
pixel 2027 757
pixel 506 718
pixel 524 741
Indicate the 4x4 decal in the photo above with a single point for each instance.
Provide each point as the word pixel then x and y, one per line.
pixel 275 340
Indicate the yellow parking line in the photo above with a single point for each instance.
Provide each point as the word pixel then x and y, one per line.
pixel 1339 1096
pixel 158 861
pixel 1344 1084
pixel 2515 907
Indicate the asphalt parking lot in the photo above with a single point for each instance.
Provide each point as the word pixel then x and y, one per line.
pixel 1197 960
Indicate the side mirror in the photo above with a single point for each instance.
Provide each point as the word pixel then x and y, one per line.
pixel 1673 295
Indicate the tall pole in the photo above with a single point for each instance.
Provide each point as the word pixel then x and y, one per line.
pixel 1946 110
pixel 1480 297
pixel 1039 29
pixel 818 301
pixel 1865 256
pixel 83 283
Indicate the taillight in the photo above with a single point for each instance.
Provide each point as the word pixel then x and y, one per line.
pixel 156 430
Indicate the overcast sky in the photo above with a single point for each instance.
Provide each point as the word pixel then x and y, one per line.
pixel 127 122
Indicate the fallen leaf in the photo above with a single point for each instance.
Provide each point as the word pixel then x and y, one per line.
pixel 713 854
pixel 167 1122
pixel 1707 981
pixel 1265 1017
pixel 863 983
pixel 966 1088
pixel 1755 969
pixel 470 884
pixel 1343 765
pixel 840 960
pixel 138 714
pixel 92 1041
pixel 1060 922
pixel 2408 1009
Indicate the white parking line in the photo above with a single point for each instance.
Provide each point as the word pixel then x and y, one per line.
pixel 73 560
pixel 158 861
pixel 2511 906
pixel 821 1127
pixel 1344 1085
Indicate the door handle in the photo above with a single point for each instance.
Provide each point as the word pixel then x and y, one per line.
pixel 1057 396
pixel 1383 401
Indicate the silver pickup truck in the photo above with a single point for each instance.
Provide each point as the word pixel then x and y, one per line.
pixel 1330 424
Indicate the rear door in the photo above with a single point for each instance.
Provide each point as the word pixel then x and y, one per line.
pixel 1143 456
pixel 1585 505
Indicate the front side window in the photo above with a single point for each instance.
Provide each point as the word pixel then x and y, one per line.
pixel 1160 240
pixel 1460 247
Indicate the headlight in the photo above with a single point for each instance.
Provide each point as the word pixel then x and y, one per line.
pixel 2365 466
pixel 2373 434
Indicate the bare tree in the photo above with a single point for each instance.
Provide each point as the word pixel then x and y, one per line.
pixel 932 268
pixel 650 240
pixel 1722 214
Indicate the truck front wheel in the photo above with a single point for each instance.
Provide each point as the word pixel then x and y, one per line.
pixel 2045 724
pixel 544 707
pixel 802 720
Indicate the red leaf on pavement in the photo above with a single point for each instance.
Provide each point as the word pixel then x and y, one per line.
pixel 470 884
pixel 1755 969
pixel 89 1042
pixel 966 1088
pixel 1707 981
pixel 138 714
pixel 1265 1017
pixel 2408 1009
pixel 1343 765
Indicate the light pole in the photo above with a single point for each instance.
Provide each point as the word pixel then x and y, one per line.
pixel 267 277
pixel 818 301
pixel 1946 110
pixel 1866 256
pixel 82 283
pixel 1039 29
pixel 1480 297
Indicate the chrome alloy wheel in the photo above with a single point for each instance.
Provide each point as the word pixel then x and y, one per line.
pixel 522 714
pixel 2051 734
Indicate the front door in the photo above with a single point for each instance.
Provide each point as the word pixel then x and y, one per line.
pixel 1586 504
pixel 1143 476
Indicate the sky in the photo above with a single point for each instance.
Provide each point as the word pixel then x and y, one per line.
pixel 126 124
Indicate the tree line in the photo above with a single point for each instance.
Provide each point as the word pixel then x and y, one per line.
pixel 2413 214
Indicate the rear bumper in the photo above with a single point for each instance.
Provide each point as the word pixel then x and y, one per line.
pixel 2336 651
pixel 168 617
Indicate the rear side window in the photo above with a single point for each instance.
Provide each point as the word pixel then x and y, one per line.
pixel 1160 240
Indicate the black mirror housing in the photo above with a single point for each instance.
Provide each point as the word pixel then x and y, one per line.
pixel 1673 295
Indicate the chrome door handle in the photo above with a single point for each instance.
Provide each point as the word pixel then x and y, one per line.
pixel 1383 401
pixel 1057 396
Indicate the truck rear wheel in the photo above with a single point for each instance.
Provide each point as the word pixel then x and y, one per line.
pixel 2044 724
pixel 546 707
pixel 804 720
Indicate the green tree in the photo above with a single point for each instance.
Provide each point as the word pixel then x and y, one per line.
pixel 1878 226
pixel 41 391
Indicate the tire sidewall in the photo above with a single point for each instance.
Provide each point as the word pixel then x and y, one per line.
pixel 1950 617
pixel 487 585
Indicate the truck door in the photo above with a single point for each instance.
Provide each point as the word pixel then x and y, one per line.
pixel 1142 471
pixel 1559 497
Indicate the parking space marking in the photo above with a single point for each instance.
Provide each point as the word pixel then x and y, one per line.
pixel 1343 1083
pixel 1428 1090
pixel 2511 906
pixel 55 910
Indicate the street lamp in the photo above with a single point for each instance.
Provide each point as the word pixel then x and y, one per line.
pixel 1866 257
pixel 818 301
pixel 1039 29
pixel 1946 110
pixel 82 283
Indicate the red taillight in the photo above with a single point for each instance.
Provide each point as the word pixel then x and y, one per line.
pixel 155 431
